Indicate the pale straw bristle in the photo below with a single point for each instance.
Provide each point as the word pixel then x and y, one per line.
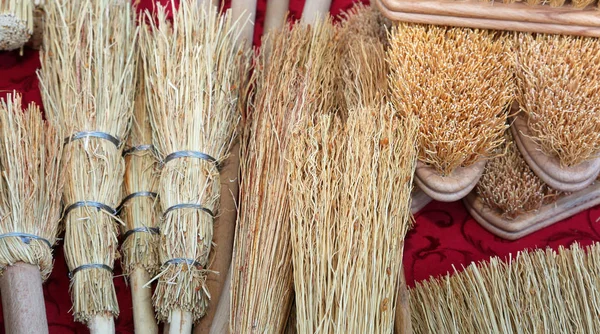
pixel 16 23
pixel 558 79
pixel 538 292
pixel 140 249
pixel 31 186
pixel 459 82
pixel 194 70
pixel 509 187
pixel 262 279
pixel 87 80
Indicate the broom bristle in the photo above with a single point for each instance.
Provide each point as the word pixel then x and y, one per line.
pixel 509 187
pixel 31 185
pixel 88 81
pixel 16 23
pixel 459 83
pixel 558 78
pixel 193 73
pixel 541 291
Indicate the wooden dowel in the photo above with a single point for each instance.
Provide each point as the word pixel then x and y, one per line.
pixel 144 320
pixel 520 12
pixel 220 323
pixel 276 14
pixel 102 324
pixel 402 324
pixel 314 9
pixel 489 23
pixel 242 9
pixel 181 322
pixel 23 300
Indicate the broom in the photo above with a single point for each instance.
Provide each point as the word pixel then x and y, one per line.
pixel 542 291
pixel 30 195
pixel 139 210
pixel 460 88
pixel 557 130
pixel 88 79
pixel 261 282
pixel 191 68
pixel 16 23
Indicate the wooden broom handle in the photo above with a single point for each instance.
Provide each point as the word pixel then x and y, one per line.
pixel 241 9
pixel 314 9
pixel 102 324
pixel 181 322
pixel 220 324
pixel 547 28
pixel 23 300
pixel 141 297
pixel 276 14
pixel 402 324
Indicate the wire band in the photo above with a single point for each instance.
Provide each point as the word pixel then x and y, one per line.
pixel 180 260
pixel 139 148
pixel 144 229
pixel 190 154
pixel 25 237
pixel 97 205
pixel 189 206
pixel 134 195
pixel 89 266
pixel 94 134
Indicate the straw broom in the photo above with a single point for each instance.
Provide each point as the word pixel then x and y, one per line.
pixel 261 282
pixel 30 195
pixel 140 212
pixel 538 292
pixel 191 68
pixel 16 23
pixel 88 79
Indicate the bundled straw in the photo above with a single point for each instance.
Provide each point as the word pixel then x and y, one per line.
pixel 88 81
pixel 539 292
pixel 509 186
pixel 16 23
pixel 193 70
pixel 459 83
pixel 558 81
pixel 262 275
pixel 31 187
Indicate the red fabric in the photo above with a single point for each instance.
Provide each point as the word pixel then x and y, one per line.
pixel 444 234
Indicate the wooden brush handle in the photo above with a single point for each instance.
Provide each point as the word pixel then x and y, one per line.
pixel 181 322
pixel 519 12
pixel 102 324
pixel 220 323
pixel 402 324
pixel 314 9
pixel 482 23
pixel 241 9
pixel 23 300
pixel 143 312
pixel 276 14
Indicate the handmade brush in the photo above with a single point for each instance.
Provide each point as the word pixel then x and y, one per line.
pixel 87 80
pixel 261 282
pixel 558 128
pixel 16 23
pixel 191 66
pixel 30 196
pixel 538 292
pixel 140 213
pixel 460 87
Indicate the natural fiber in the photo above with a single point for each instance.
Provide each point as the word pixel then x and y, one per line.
pixel 459 82
pixel 262 276
pixel 509 186
pixel 193 71
pixel 558 79
pixel 140 213
pixel 16 23
pixel 31 186
pixel 577 4
pixel 539 292
pixel 88 79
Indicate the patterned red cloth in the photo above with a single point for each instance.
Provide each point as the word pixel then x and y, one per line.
pixel 444 234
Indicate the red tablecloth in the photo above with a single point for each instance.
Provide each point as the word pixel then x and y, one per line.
pixel 444 234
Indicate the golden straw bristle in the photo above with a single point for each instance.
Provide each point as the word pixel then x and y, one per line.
pixel 31 185
pixel 262 278
pixel 509 186
pixel 87 80
pixel 459 82
pixel 542 291
pixel 558 79
pixel 193 69
pixel 16 23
